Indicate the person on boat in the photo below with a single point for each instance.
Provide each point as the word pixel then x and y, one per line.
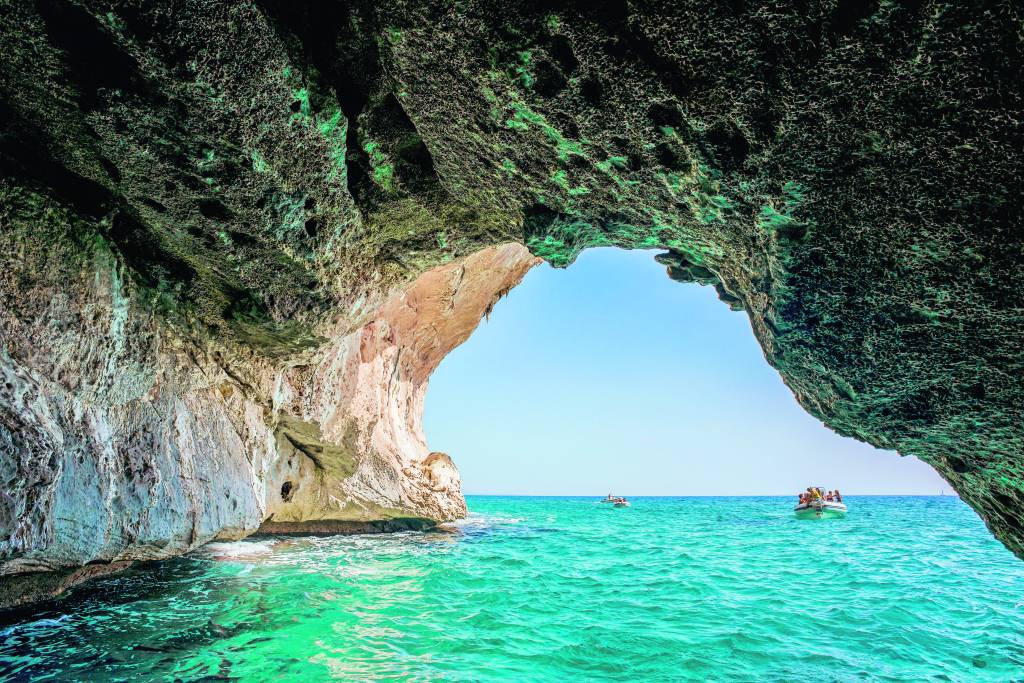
pixel 839 496
pixel 829 497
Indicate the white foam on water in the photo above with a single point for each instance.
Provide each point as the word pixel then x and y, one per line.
pixel 477 520
pixel 238 551
pixel 37 624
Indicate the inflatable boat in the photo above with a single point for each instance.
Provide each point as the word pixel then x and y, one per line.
pixel 820 509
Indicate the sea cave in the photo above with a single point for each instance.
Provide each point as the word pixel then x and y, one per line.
pixel 238 237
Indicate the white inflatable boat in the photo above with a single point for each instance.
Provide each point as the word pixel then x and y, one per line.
pixel 820 509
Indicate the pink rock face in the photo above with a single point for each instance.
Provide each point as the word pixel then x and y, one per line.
pixel 365 394
pixel 125 439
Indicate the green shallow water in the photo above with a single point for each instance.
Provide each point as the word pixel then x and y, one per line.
pixel 557 589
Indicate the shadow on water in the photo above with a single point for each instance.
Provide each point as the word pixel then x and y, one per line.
pixel 101 604
pixel 151 580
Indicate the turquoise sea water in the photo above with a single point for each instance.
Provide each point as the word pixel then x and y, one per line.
pixel 562 589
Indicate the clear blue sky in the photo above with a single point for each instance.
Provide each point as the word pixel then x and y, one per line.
pixel 609 377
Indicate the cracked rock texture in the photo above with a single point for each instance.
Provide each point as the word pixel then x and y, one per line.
pixel 238 236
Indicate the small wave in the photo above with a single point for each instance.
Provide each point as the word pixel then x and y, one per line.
pixel 38 623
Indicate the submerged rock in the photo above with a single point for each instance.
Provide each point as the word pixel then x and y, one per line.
pixel 239 236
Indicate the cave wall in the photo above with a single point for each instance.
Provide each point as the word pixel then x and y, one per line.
pixel 208 206
pixel 198 341
pixel 123 437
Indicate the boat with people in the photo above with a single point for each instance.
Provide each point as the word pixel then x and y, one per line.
pixel 618 501
pixel 817 503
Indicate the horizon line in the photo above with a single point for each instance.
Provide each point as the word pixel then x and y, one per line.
pixel 950 494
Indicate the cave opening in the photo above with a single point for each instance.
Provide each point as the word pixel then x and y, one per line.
pixel 608 376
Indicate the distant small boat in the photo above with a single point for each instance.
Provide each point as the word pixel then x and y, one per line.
pixel 609 499
pixel 820 509
pixel 622 503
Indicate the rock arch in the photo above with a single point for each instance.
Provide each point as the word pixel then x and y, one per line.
pixel 237 237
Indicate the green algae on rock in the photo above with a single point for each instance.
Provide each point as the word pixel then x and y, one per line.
pixel 203 203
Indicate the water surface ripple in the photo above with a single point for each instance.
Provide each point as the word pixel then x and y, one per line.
pixel 559 589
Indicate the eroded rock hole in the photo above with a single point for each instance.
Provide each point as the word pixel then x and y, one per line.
pixel 727 144
pixel 550 80
pixel 214 209
pixel 153 204
pixel 849 13
pixel 662 115
pixel 112 172
pixel 287 491
pixel 669 157
pixel 241 239
pixel 562 53
pixel 97 64
pixel 592 91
